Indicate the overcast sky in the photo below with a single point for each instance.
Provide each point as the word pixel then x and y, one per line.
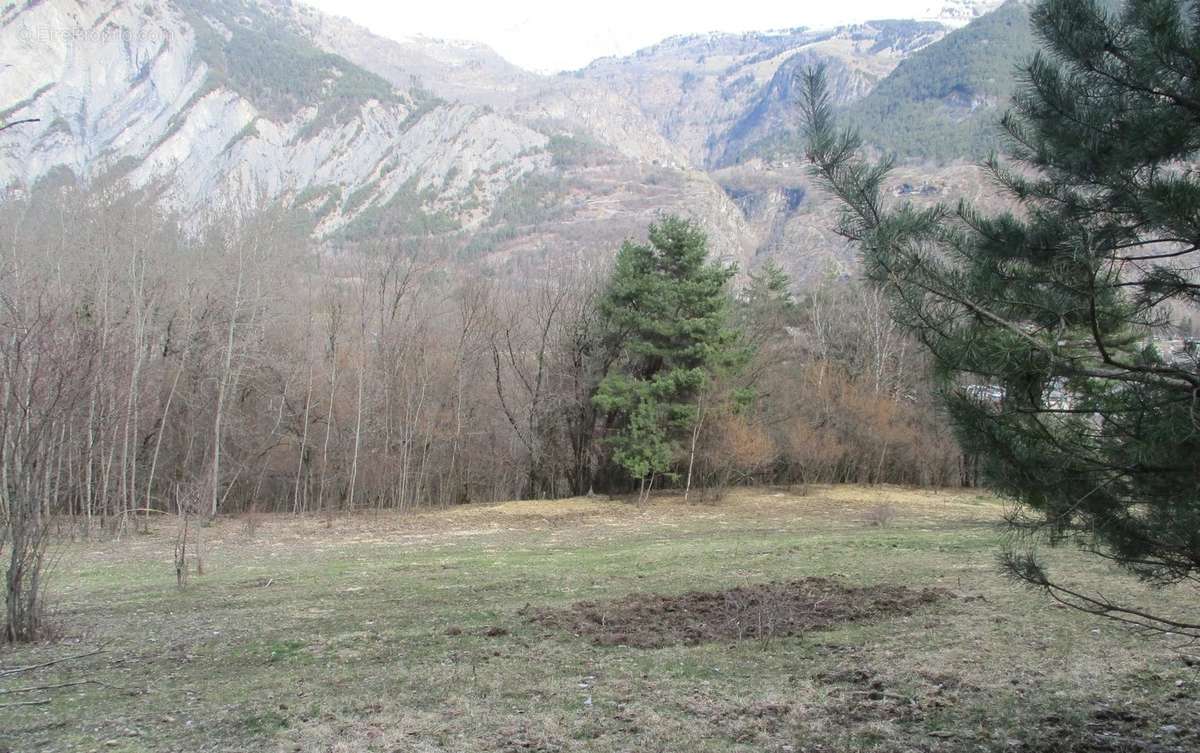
pixel 555 35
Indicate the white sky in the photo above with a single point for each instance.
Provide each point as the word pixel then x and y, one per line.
pixel 554 35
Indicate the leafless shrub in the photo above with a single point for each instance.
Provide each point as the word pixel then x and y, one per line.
pixel 189 502
pixel 181 539
pixel 45 361
pixel 733 450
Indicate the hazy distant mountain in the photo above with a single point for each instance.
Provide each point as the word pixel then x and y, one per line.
pixel 919 88
pixel 928 90
pixel 714 94
pixel 225 105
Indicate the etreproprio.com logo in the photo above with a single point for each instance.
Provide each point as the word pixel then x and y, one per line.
pixel 45 34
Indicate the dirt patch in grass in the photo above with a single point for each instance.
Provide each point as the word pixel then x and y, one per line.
pixel 768 610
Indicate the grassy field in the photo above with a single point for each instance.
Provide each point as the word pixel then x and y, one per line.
pixel 411 633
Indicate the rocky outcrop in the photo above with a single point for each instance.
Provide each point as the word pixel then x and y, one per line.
pixel 126 87
pixel 226 106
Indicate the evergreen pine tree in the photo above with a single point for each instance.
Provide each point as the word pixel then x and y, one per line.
pixel 1050 308
pixel 766 305
pixel 667 306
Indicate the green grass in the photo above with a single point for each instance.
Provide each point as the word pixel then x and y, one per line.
pixel 372 636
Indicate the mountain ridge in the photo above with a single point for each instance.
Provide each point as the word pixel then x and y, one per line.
pixel 228 105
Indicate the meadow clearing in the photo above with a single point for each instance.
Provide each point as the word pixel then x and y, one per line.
pixel 839 619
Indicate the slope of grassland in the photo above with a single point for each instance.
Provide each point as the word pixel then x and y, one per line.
pixel 413 633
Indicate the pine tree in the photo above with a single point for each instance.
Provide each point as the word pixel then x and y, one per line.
pixel 1050 308
pixel 766 305
pixel 667 306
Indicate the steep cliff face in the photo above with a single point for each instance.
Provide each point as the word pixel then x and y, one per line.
pixel 224 106
pixel 227 115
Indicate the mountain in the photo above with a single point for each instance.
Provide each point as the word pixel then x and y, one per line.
pixel 226 105
pixel 713 94
pixel 222 106
pixel 942 102
pixel 927 90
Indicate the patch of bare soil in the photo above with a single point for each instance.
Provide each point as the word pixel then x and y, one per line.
pixel 1115 730
pixel 763 611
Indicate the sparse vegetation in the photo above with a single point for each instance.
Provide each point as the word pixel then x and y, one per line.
pixel 406 214
pixel 389 632
pixel 570 150
pixel 280 72
pixel 534 198
pixel 880 515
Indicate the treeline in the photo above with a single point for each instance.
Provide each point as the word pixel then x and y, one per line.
pixel 145 369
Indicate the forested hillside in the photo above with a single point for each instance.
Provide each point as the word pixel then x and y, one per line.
pixel 943 102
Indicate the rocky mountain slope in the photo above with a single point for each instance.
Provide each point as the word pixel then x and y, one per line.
pixel 713 94
pixel 227 108
pixel 224 106
pixel 929 91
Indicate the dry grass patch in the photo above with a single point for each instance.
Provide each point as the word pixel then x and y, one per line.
pixel 385 632
pixel 552 511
